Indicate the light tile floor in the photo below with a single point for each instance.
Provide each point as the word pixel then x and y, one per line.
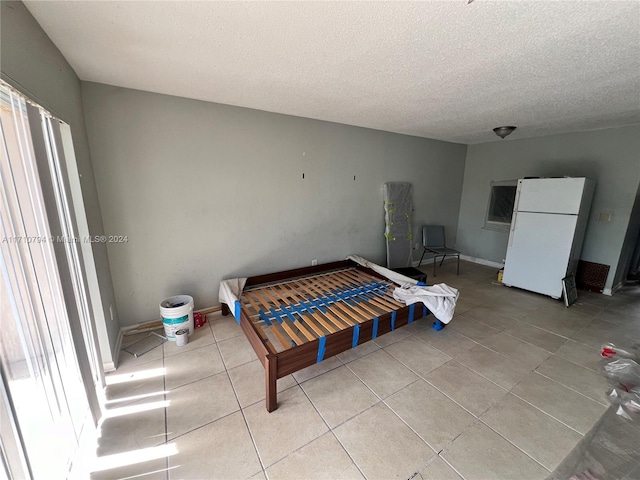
pixel 505 391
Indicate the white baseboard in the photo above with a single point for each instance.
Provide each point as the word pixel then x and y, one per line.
pixel 428 262
pixel 113 364
pixel 611 291
pixel 482 261
pixel 128 328
pixel 109 367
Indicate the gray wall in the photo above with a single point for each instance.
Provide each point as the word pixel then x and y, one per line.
pixel 611 157
pixel 33 64
pixel 207 191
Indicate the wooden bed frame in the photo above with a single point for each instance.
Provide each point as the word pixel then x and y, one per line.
pixel 296 318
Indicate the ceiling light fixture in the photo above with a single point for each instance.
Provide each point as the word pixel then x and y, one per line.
pixel 503 131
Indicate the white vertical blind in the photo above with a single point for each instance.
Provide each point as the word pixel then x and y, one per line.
pixel 42 295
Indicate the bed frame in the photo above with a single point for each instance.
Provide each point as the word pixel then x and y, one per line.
pixel 296 318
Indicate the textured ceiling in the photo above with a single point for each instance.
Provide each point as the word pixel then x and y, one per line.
pixel 442 69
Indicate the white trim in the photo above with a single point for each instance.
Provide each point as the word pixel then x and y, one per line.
pixel 113 364
pixel 428 261
pixel 482 261
pixel 611 291
pixel 91 274
pixel 128 328
pixel 617 287
pixel 109 367
pixel 125 330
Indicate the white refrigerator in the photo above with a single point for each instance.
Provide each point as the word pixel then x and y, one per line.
pixel 547 228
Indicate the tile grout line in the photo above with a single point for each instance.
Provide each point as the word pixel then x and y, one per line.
pixel 331 430
pixel 166 417
pixel 383 400
pixel 548 414
pixel 451 465
pixel 510 442
pixel 255 446
pixel 471 370
pixel 434 386
pixel 244 418
pixel 570 388
pixel 477 418
pixel 226 372
pixel 413 430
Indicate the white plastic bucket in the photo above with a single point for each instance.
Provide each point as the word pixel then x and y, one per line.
pixel 177 318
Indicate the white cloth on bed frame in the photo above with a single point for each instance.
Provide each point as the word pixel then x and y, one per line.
pixel 440 299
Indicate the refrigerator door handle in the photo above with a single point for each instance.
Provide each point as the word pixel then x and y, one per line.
pixel 513 227
pixel 516 201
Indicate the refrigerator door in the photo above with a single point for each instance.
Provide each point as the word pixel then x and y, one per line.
pixel 550 195
pixel 538 252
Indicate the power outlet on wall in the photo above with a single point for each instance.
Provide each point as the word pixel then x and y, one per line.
pixel 314 262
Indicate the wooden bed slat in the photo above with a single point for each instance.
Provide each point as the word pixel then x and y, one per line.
pixel 333 317
pixel 287 328
pixel 388 295
pixel 259 298
pixel 346 306
pixel 269 296
pixel 340 280
pixel 309 319
pixel 316 316
pixel 363 300
pixel 286 344
pixel 278 293
pixel 264 337
pixel 304 319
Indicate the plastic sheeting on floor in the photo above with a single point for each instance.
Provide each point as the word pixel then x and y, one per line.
pixel 609 451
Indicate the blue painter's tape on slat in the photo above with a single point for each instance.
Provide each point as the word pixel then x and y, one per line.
pixel 264 318
pixel 438 325
pixel 321 346
pixel 425 312
pixel 296 309
pixel 393 320
pixel 412 308
pixel 276 315
pixel 325 300
pixel 289 314
pixel 346 298
pixel 422 284
pixel 237 308
pixel 363 297
pixel 305 306
pixel 319 306
pixel 356 336
pixel 366 294
pixel 374 334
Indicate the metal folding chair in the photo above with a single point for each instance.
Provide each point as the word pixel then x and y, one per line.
pixel 433 241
